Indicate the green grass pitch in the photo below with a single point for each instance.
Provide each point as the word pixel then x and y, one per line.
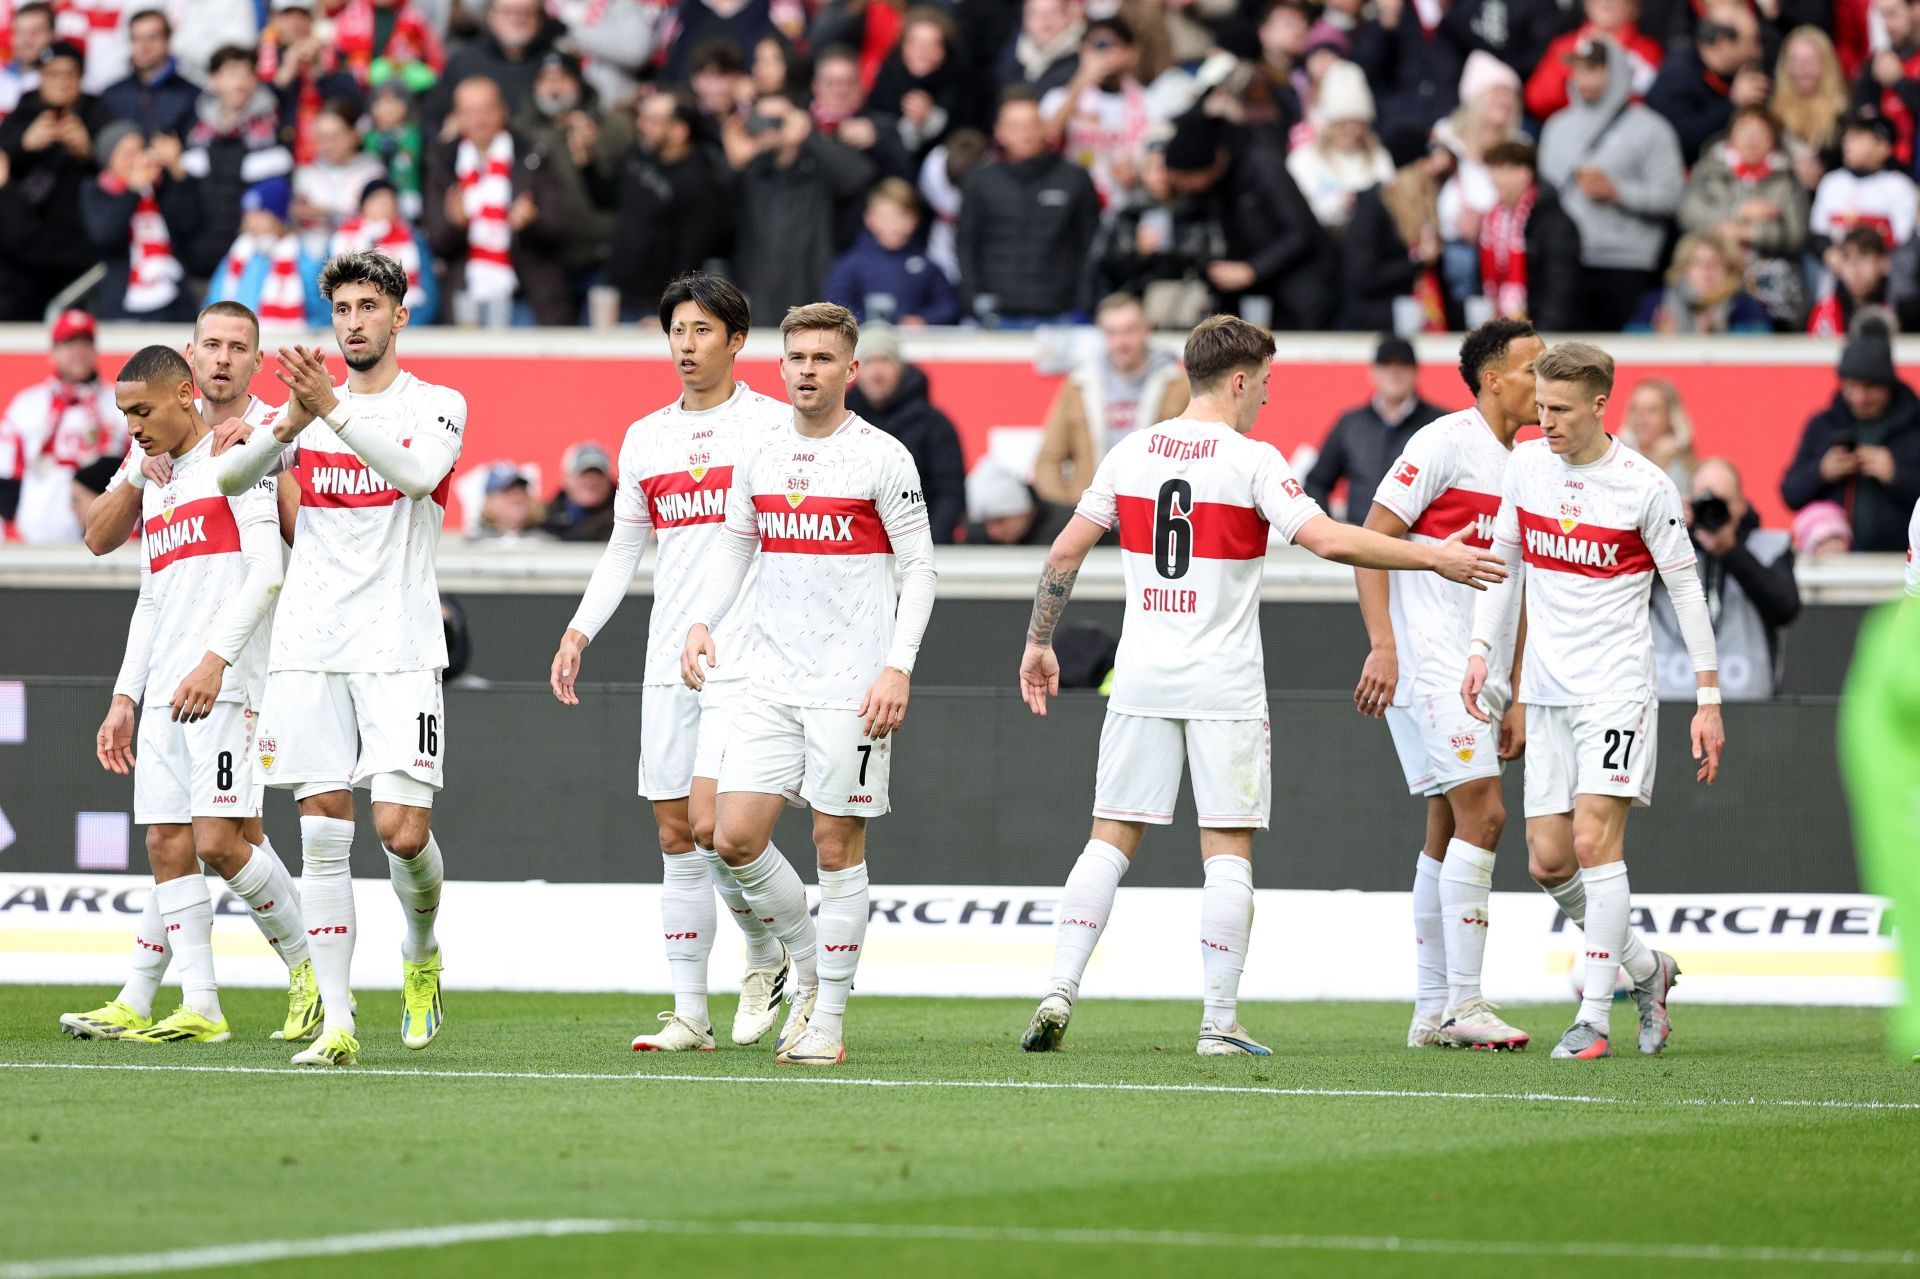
pixel 1343 1154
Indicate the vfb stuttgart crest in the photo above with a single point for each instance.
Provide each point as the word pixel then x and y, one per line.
pixel 268 749
pixel 1464 745
pixel 1569 517
pixel 796 490
pixel 697 465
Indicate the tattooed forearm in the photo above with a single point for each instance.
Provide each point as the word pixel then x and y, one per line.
pixel 1049 602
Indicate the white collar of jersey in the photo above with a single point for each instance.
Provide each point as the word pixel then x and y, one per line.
pixel 200 404
pixel 343 391
pixel 739 389
pixel 1613 451
pixel 852 417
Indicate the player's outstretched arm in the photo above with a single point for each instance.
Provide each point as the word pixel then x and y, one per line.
pixel 1381 671
pixel 607 587
pixel 1039 668
pixel 243 612
pixel 1452 559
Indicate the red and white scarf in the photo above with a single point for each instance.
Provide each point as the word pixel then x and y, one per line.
pixel 283 294
pixel 154 274
pixel 1751 173
pixel 1503 254
pixel 486 189
pixel 358 234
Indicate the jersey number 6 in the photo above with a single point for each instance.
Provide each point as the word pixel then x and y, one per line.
pixel 1173 529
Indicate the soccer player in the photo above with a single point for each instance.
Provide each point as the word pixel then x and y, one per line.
pixel 197 649
pixel 353 686
pixel 833 505
pixel 1448 479
pixel 1196 501
pixel 1585 522
pixel 677 466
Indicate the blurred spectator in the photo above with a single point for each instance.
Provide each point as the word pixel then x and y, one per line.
pixel 921 88
pixel 1364 442
pixel 1859 266
pixel 233 144
pixel 1529 248
pixel 381 225
pixel 1865 191
pixel 1747 572
pixel 394 140
pixel 508 513
pixel 1391 250
pixel 867 28
pixel 1616 166
pixel 1703 83
pixel 1891 82
pixel 1003 510
pixel 1128 387
pixel 496 212
pixel 155 97
pixel 382 39
pixel 776 67
pixel 792 180
pixel 1822 529
pixel 1101 118
pixel 565 117
pixel 1046 53
pixel 1021 219
pixel 694 25
pixel 31 34
pixel 303 70
pixel 327 189
pixel 48 141
pixel 582 511
pixel 1703 293
pixel 1159 250
pixel 201 28
pixel 1345 158
pixel 51 430
pixel 1488 115
pixel 1862 451
pixel 132 213
pixel 1659 428
pixel 1744 191
pixel 674 209
pixel 1270 104
pixel 943 176
pixel 1413 64
pixel 1612 20
pixel 717 75
pixel 893 395
pixel 508 52
pixel 886 276
pixel 839 112
pixel 615 38
pixel 269 267
pixel 1809 97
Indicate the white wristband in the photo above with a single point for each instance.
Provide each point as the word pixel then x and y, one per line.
pixel 136 462
pixel 1706 696
pixel 1480 648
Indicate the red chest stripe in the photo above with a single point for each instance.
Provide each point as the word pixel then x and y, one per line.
pixel 333 480
pixel 204 526
pixel 677 498
pixel 1586 549
pixel 1456 508
pixel 1220 531
pixel 820 526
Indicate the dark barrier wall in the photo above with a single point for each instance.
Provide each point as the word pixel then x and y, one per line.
pixel 984 793
pixel 970 643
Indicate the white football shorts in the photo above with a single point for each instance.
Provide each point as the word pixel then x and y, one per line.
pixel 817 754
pixel 1601 748
pixel 323 730
pixel 1142 757
pixel 1441 746
pixel 684 734
pixel 203 769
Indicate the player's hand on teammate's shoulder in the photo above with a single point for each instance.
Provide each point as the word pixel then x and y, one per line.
pixel 1458 562
pixel 159 468
pixel 884 708
pixel 1039 677
pixel 113 744
pixel 566 667
pixel 699 645
pixel 1378 678
pixel 229 433
pixel 1709 742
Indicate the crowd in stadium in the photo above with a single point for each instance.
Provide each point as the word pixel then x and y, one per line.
pixel 1673 166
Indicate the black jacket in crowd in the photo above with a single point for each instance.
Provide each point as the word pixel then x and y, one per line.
pixel 1025 230
pixel 1359 449
pixel 1879 511
pixel 1693 100
pixel 166 104
pixel 109 224
pixel 1415 74
pixel 669 219
pixel 1271 227
pixel 483 56
pixel 1553 264
pixel 787 241
pixel 42 230
pixel 1376 265
pixel 910 417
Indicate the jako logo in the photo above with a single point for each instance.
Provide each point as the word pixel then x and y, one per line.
pixel 859 799
pixel 1213 945
pixel 1084 923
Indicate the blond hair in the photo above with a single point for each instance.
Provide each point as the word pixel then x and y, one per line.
pixel 1581 363
pixel 1220 344
pixel 1691 243
pixel 819 317
pixel 1412 201
pixel 1813 120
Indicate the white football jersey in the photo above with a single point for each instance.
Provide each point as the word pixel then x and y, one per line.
pixel 258 413
pixel 1592 538
pixel 1195 502
pixel 191 564
pixel 361 594
pixel 1447 479
pixel 1913 553
pixel 825 512
pixel 676 468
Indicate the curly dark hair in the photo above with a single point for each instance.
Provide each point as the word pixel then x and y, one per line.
pixel 377 269
pixel 1487 345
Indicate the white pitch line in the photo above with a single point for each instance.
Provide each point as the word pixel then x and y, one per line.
pixel 239 1254
pixel 1016 1085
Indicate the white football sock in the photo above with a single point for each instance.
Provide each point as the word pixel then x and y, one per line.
pixel 773 888
pixel 687 920
pixel 1466 880
pixel 150 955
pixel 416 882
pixel 1635 957
pixel 1609 905
pixel 326 899
pixel 1085 904
pixel 264 885
pixel 763 948
pixel 187 908
pixel 1226 925
pixel 1429 939
pixel 843 931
